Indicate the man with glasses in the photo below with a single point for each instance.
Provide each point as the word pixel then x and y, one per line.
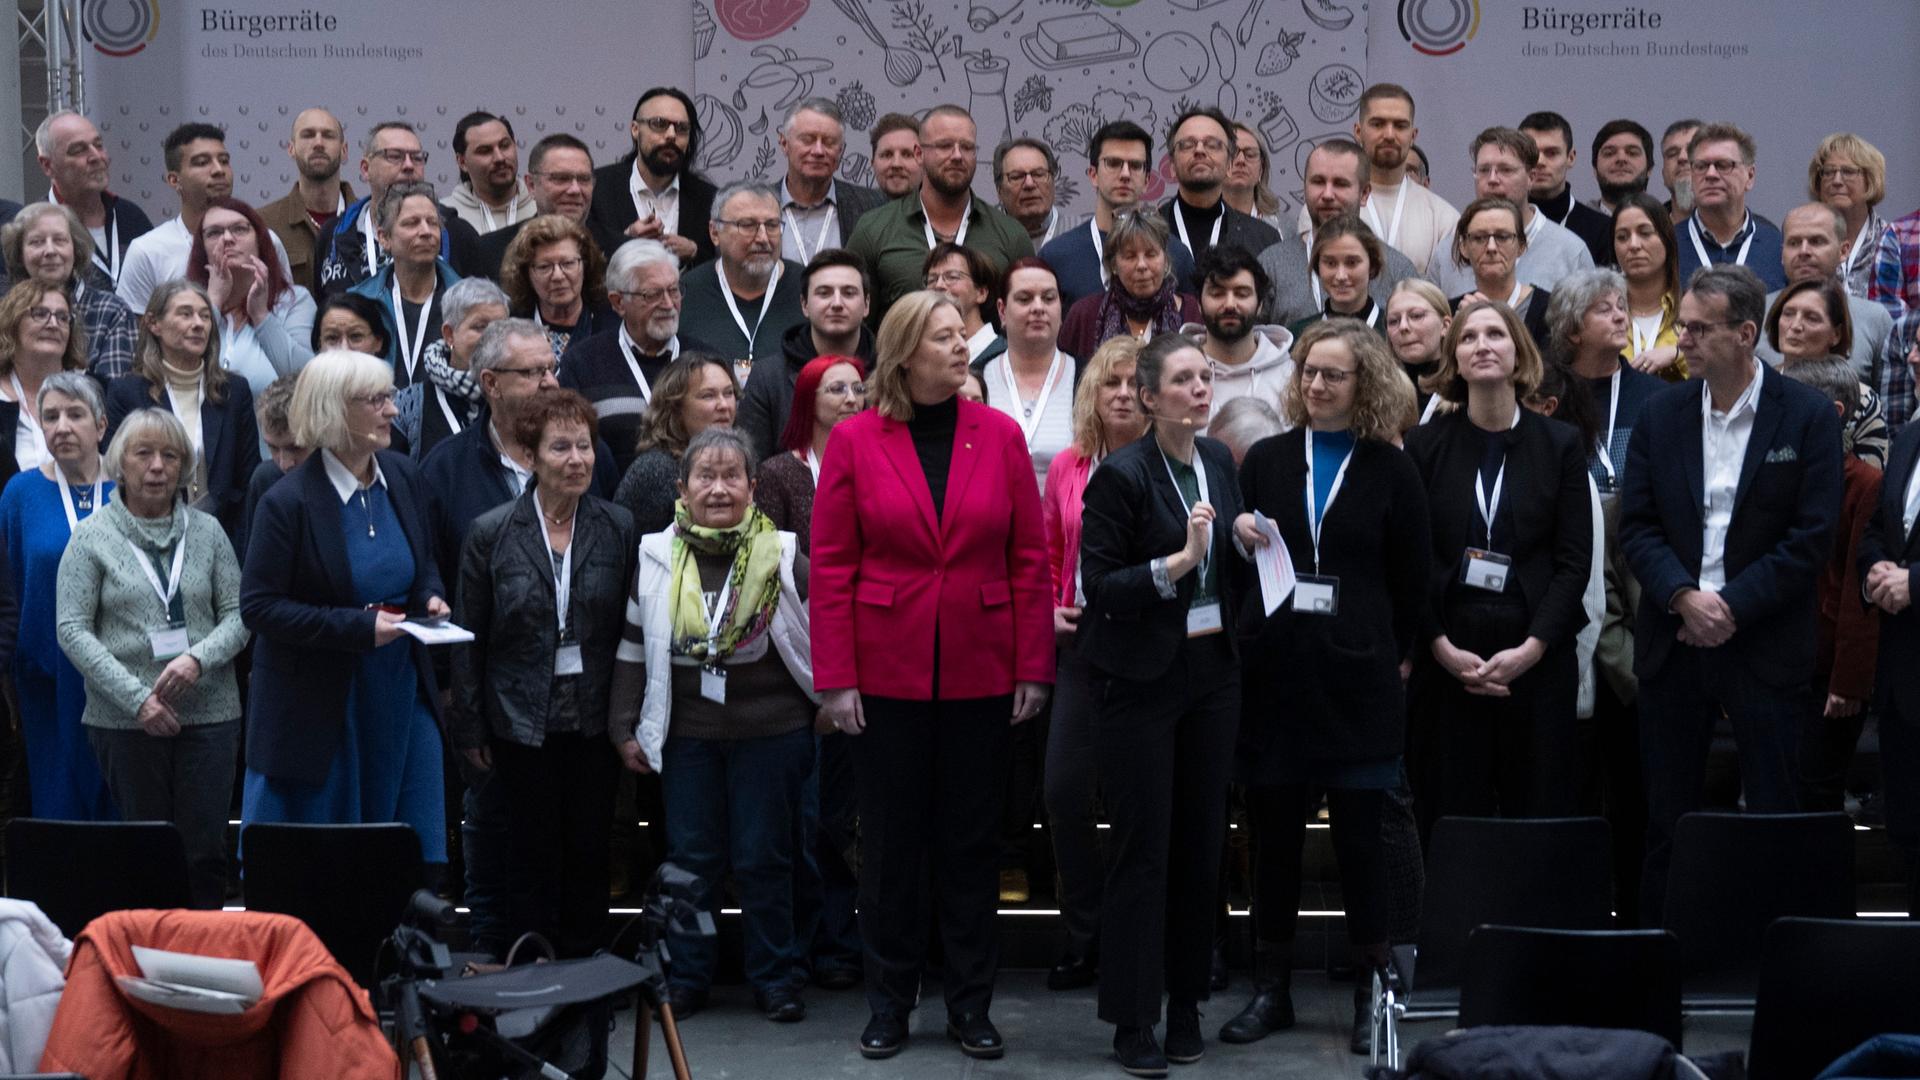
pixel 1023 173
pixel 817 209
pixel 199 170
pixel 894 240
pixel 560 178
pixel 301 220
pixel 1201 144
pixel 391 154
pixel 1722 230
pixel 833 301
pixel 1119 160
pixel 653 192
pixel 743 302
pixel 73 155
pixel 615 369
pixel 1727 509
pixel 1503 161
pixel 1336 182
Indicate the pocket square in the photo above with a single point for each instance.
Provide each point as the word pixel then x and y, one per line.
pixel 1781 454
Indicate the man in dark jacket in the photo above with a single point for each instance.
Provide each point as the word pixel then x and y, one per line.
pixel 1201 144
pixel 560 177
pixel 834 291
pixel 391 155
pixel 653 193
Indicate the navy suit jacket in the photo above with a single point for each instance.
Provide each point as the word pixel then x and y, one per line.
pixel 309 627
pixel 1896 677
pixel 229 439
pixel 1785 508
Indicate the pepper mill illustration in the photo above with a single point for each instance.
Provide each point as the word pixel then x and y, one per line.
pixel 987 99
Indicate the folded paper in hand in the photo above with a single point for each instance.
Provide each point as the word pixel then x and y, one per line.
pixel 1275 564
pixel 437 633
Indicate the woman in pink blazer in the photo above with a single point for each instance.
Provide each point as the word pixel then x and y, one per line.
pixel 932 635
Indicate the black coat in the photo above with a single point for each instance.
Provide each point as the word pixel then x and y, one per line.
pixel 309 627
pixel 1328 688
pixel 229 439
pixel 1897 676
pixel 1544 498
pixel 1133 514
pixel 612 210
pixel 503 678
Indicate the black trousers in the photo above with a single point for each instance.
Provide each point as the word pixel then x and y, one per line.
pixel 931 779
pixel 1623 795
pixel 186 779
pixel 1072 778
pixel 1165 748
pixel 1826 749
pixel 1278 814
pixel 559 813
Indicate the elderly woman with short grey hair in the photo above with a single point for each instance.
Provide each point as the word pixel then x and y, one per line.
pixel 1139 299
pixel 449 398
pixel 148 610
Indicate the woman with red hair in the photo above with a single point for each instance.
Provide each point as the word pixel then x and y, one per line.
pixel 265 320
pixel 836 388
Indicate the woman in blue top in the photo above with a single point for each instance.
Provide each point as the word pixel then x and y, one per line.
pixel 38 512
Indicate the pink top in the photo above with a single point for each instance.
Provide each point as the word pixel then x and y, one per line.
pixel 1060 506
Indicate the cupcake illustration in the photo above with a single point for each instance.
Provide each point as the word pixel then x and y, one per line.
pixel 703 30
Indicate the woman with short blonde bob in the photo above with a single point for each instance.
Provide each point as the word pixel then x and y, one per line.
pixel 1849 174
pixel 1418 317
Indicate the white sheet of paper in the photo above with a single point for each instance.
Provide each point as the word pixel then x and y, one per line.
pixel 443 634
pixel 189 998
pixel 1275 564
pixel 223 974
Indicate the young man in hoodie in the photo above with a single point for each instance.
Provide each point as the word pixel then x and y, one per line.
pixel 834 296
pixel 491 196
pixel 1248 359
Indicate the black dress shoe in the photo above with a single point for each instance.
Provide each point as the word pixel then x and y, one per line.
pixel 884 1036
pixel 977 1036
pixel 1270 1010
pixel 1184 1044
pixel 782 1006
pixel 836 977
pixel 1074 972
pixel 685 1001
pixel 1138 1052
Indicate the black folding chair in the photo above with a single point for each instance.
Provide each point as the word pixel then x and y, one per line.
pixel 1541 872
pixel 79 870
pixel 349 883
pixel 1826 986
pixel 1573 978
pixel 1732 876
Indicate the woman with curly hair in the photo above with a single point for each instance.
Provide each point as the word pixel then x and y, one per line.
pixel 555 275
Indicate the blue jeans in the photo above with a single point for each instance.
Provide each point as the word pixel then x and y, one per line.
pixel 735 804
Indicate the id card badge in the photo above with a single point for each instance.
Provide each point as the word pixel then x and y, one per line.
pixel 713 683
pixel 170 642
pixel 1315 595
pixel 566 658
pixel 1483 569
pixel 1204 619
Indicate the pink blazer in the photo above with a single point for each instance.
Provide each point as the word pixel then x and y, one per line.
pixel 1060 505
pixel 886 570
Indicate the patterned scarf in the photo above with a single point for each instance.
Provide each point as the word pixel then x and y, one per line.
pixel 754 546
pixel 451 380
pixel 1161 310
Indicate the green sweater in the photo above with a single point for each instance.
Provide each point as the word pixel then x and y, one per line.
pixel 104 608
pixel 892 240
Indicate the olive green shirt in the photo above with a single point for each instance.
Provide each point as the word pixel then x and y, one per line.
pixel 892 241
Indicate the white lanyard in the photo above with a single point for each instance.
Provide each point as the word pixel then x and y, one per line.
pixel 66 499
pixel 111 264
pixel 1180 222
pixel 1513 298
pixel 1030 422
pixel 1700 249
pixel 766 301
pixel 373 245
pixel 1372 317
pixel 1490 507
pixel 718 609
pixel 1200 473
pixel 1606 443
pixel 1099 250
pixel 1392 236
pixel 959 237
pixel 410 357
pixel 1053 222
pixel 513 210
pixel 1315 513
pixel 446 408
pixel 562 571
pixel 1642 344
pixel 173 575
pixel 1853 253
pixel 628 349
pixel 813 466
pixel 27 414
pixel 800 242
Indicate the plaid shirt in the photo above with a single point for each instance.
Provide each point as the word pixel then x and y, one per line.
pixel 112 331
pixel 1896 285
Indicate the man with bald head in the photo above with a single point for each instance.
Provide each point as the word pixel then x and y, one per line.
pixel 74 157
pixel 318 147
pixel 1337 179
pixel 1814 244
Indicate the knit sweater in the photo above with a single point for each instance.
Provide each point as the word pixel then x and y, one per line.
pixel 105 608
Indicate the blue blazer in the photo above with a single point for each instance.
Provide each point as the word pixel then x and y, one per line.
pixel 229 437
pixel 310 630
pixel 1896 676
pixel 1785 508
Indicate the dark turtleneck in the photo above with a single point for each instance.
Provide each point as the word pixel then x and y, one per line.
pixel 933 427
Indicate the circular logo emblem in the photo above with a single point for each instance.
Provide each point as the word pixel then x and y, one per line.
pixel 120 27
pixel 1439 27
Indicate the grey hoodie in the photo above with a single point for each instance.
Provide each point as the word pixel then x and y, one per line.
pixel 1265 376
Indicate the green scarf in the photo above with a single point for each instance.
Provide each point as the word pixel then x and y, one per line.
pixel 754 546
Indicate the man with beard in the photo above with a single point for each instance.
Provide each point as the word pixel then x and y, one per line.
pixel 1622 163
pixel 1248 359
pixel 1407 216
pixel 491 197
pixel 1336 183
pixel 74 157
pixel 318 148
pixel 653 192
pixel 1815 244
pixel 615 369
pixel 1674 171
pixel 1119 164
pixel 896 154
pixel 1503 160
pixel 894 240
pixel 833 298
pixel 1549 191
pixel 743 302
pixel 560 177
pixel 1720 160
pixel 199 170
pixel 392 154
pixel 817 209
pixel 1023 173
pixel 1201 145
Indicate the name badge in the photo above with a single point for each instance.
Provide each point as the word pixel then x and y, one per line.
pixel 566 659
pixel 1204 619
pixel 713 683
pixel 1483 569
pixel 1316 595
pixel 168 643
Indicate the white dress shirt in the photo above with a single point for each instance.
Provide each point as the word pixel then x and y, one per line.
pixel 665 205
pixel 1912 504
pixel 1723 447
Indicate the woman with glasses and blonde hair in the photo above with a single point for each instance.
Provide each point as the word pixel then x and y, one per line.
pixel 1849 174
pixel 555 275
pixel 38 339
pixel 46 242
pixel 1418 316
pixel 1488 242
pixel 695 392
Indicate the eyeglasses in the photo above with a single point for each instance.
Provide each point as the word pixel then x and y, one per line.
pixel 1330 376
pixel 1482 239
pixel 1118 164
pixel 559 266
pixel 400 157
pixel 539 372
pixel 650 297
pixel 355 338
pixel 845 389
pixel 660 125
pixel 949 277
pixel 951 146
pixel 1848 173
pixel 1723 166
pixel 236 230
pixel 1497 170
pixel 567 179
pixel 1211 146
pixel 60 316
pixel 1697 329
pixel 745 227
pixel 373 401
pixel 1038 176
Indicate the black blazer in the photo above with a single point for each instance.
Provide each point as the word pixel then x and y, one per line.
pixel 1244 231
pixel 310 630
pixel 1133 515
pixel 229 438
pixel 1545 500
pixel 1328 688
pixel 612 210
pixel 1785 508
pixel 1897 676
